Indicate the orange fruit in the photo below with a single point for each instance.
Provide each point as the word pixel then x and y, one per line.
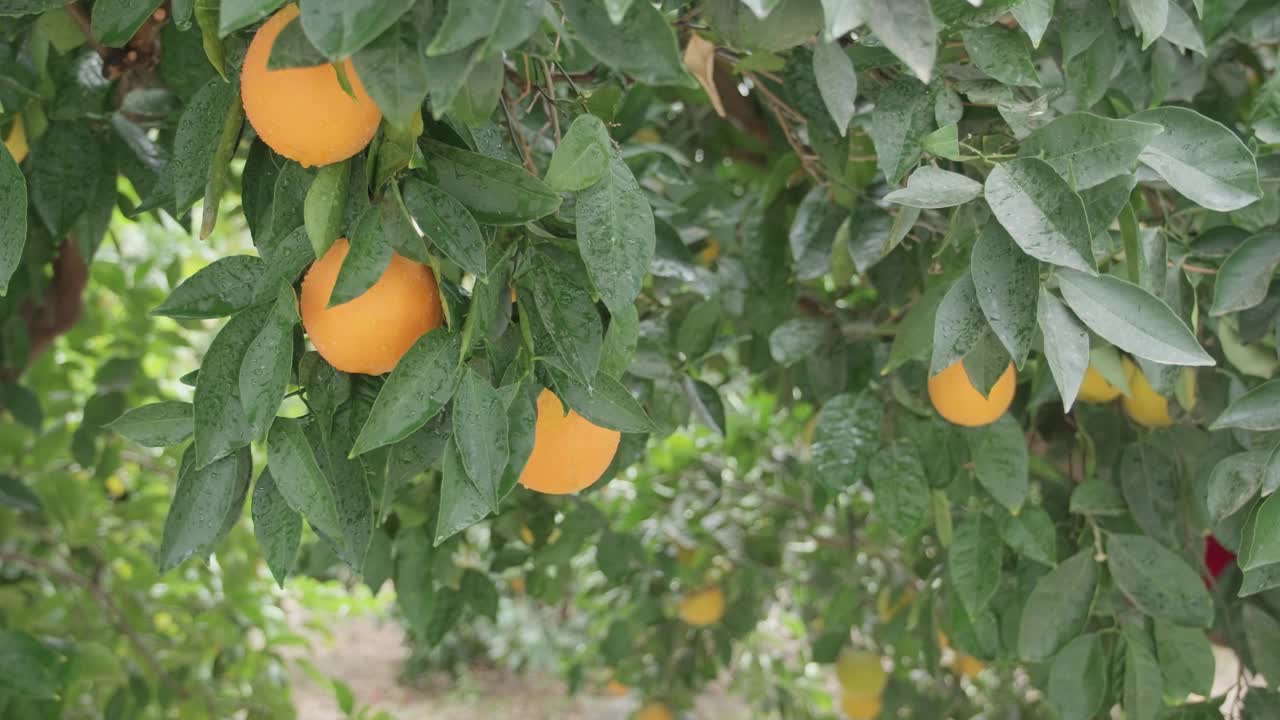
pixel 860 707
pixel 569 453
pixel 1096 389
pixel 968 666
pixel 17 140
pixel 1146 406
pixel 653 711
pixel 370 333
pixel 860 673
pixel 615 688
pixel 702 608
pixel 303 113
pixel 955 398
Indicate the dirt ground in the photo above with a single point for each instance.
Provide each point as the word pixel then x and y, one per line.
pixel 367 652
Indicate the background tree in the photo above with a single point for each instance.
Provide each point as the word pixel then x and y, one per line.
pixel 1014 264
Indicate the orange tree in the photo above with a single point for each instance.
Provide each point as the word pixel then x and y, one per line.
pixel 1015 255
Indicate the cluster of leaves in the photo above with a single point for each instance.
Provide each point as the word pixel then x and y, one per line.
pixel 1048 183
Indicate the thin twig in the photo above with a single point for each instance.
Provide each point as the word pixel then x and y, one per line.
pixel 517 135
pixel 777 106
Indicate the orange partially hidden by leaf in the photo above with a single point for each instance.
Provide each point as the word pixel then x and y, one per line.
pixel 1096 389
pixel 16 143
pixel 653 711
pixel 569 453
pixel 303 113
pixel 955 398
pixel 702 608
pixel 1146 406
pixel 860 707
pixel 370 333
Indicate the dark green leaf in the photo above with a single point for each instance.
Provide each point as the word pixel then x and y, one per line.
pixel 915 331
pixel 641 45
pixel 339 29
pixel 1149 481
pixel 707 405
pixel 902 117
pixel 28 668
pixel 65 160
pixel 220 423
pixel 1258 409
pixel 223 287
pixel 1158 582
pixel 480 433
pixel 1058 607
pixel 236 14
pixel 205 504
pixel 1186 659
pixel 1234 482
pixel 1041 213
pixel 322 211
pixel 13 217
pixel 416 390
pixel 1097 497
pixel 293 49
pixel 480 593
pixel 1131 318
pixel 1262 638
pixel 1001 53
pixel 582 158
pixel 605 402
pixel 15 494
pixel 1078 678
pixel 1260 540
pixel 367 258
pixel 162 424
pixel 616 235
pixel 115 21
pixel 973 562
pixel 1143 686
pixel 196 142
pixel 497 192
pixel 958 325
pixel 1031 534
pixel 569 318
pixel 1000 461
pixel 845 436
pixel 268 361
pixel 394 73
pixel 277 527
pixel 448 225
pixel 901 490
pixel 461 505
pixel 299 476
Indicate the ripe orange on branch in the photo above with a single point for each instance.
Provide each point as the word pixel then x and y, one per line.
pixel 303 113
pixel 956 399
pixel 569 452
pixel 370 333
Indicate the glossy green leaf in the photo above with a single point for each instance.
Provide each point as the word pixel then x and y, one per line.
pixel 65 160
pixel 300 478
pixel 616 236
pixel 367 258
pixel 277 527
pixel 569 318
pixel 901 490
pixel 582 157
pixel 419 386
pixel 908 29
pixel 496 192
pixel 1201 158
pixel 930 187
pixel 1112 308
pixel 1158 582
pixel 1150 17
pixel 845 437
pixel 902 117
pixel 1001 53
pixel 197 140
pixel 161 424
pixel 205 504
pixel 236 14
pixel 973 562
pixel 323 210
pixel 605 402
pixel 220 423
pixel 114 22
pixel 394 73
pixel 1058 607
pixel 1088 149
pixel 13 217
pixel 480 433
pixel 1006 282
pixel 268 361
pixel 448 225
pixel 461 504
pixel 340 29
pixel 223 287
pixel 1041 213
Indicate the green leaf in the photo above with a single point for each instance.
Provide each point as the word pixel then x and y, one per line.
pixel 915 332
pixel 196 141
pixel 236 14
pixel 902 117
pixel 837 82
pixel 1262 635
pixel 1033 17
pixel 461 505
pixel 293 49
pixel 958 325
pixel 901 490
pixel 1058 607
pixel 985 362
pixel 340 29
pixel 1097 497
pixel 28 668
pixel 1131 318
pixel 480 593
pixel 1260 540
pixel 1151 17
pixel 466 23
pixel 220 423
pixel 299 477
pixel 845 437
pixel 162 424
pixel 1041 213
pixel 349 485
pixel 1186 660
pixel 1103 203
pixel 448 225
pixel 223 287
pixel 973 562
pixel 1001 53
pixel 617 9
pixel 930 187
pixel 1261 704
pixel 114 22
pixel 1087 149
pixel 267 364
pixel 419 386
pixel 798 339
pixel 323 209
pixel 367 258
pixel 642 44
pixel 1181 30
pixel 1201 158
pixel 206 503
pixel 1143 686
pixel 497 192
pixel 1007 283
pixel 605 402
pixel 907 28
pixel 790 24
pixel 276 526
pixel 415 593
pixel 1066 346
pixel 1078 679
pixel 1149 480
pixel 697 331
pixel 1234 482
pixel 569 318
pixel 943 142
pixel 379 566
pixel 479 95
pixel 15 494
pixel 707 405
pixel 1258 409
pixel 1245 276
pixel 842 16
pixel 394 73
pixel 13 217
pixel 480 433
pixel 621 339
pixel 64 161
pixel 1158 582
pixel 1031 534
pixel 582 157
pixel 616 236
pixel 1000 461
